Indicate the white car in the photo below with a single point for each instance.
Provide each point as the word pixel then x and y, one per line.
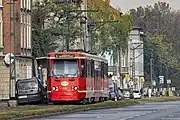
pixel 137 94
pixel 126 94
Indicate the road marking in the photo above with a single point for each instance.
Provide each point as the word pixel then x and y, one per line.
pixel 170 118
pixel 137 115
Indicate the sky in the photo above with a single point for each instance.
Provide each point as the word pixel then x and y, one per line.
pixel 125 5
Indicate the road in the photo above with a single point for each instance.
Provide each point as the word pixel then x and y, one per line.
pixel 146 111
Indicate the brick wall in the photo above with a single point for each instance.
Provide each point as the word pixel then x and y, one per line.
pixel 6 27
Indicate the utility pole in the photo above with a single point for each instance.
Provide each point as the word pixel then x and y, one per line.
pixel 68 24
pixel 151 68
pixel 133 65
pixel 12 78
pixel 89 36
pixel 151 71
pixel 134 58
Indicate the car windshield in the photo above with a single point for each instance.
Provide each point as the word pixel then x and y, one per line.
pixel 27 85
pixel 65 68
pixel 135 91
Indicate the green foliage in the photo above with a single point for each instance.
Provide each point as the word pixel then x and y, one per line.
pixel 107 35
pixel 50 26
pixel 161 26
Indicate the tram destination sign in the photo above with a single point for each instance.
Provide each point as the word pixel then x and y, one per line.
pixel 62 56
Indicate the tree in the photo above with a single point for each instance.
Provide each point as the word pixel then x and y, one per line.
pixel 161 26
pixel 107 36
pixel 50 26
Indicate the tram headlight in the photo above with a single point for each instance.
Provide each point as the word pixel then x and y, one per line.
pixel 53 88
pixel 75 88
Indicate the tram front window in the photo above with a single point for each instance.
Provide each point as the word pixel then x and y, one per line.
pixel 65 68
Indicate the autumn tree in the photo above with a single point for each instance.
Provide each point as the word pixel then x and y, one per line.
pixel 107 35
pixel 161 26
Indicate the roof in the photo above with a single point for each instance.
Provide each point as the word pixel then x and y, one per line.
pixel 89 56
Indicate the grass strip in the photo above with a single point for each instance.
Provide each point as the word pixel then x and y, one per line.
pixel 159 99
pixel 30 111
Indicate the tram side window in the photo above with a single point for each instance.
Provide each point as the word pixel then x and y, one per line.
pixel 92 68
pixel 88 68
pixel 106 69
pixel 83 70
pixel 102 70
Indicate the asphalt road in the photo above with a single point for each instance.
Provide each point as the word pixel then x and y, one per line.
pixel 148 111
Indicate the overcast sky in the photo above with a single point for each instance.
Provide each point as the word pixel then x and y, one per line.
pixel 125 5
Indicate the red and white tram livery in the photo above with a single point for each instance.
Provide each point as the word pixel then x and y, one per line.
pixel 77 76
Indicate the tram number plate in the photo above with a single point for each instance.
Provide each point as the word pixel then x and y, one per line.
pixel 64 88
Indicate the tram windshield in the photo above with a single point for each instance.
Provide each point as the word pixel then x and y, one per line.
pixel 65 68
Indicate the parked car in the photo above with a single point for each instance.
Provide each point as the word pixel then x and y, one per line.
pixel 30 91
pixel 126 94
pixel 137 94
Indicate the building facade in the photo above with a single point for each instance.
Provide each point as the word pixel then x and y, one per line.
pixel 135 60
pixel 15 38
pixel 128 66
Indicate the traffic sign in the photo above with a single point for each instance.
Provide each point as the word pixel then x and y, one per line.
pixel 168 81
pixel 173 89
pixel 154 83
pixel 161 79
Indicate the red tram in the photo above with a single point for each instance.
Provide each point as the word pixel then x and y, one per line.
pixel 77 76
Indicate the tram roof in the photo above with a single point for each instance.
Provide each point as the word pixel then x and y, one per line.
pixel 86 55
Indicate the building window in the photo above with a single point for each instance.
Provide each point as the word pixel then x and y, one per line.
pixel 1 34
pixel 21 3
pixel 29 31
pixel 123 59
pixel 1 29
pixel 1 2
pixel 29 4
pixel 25 29
pixel 123 62
pixel 22 30
pixel 24 3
